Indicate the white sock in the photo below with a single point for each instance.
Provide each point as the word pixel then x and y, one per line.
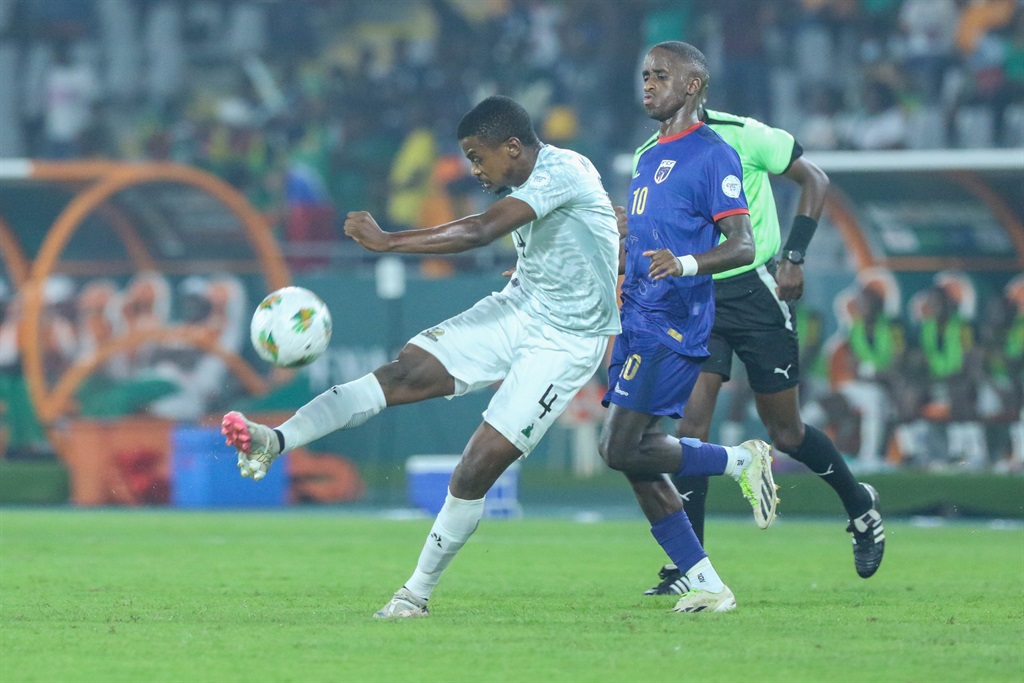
pixel 341 407
pixel 455 523
pixel 737 460
pixel 702 576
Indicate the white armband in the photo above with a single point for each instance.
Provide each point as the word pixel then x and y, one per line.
pixel 687 264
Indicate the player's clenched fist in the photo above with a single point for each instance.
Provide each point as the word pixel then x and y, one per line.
pixel 360 226
pixel 663 264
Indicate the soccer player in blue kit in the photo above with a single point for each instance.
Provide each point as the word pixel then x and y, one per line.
pixel 686 193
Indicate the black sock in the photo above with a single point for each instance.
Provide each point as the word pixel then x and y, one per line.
pixel 695 492
pixel 820 454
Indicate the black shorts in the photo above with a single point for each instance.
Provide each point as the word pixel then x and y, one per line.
pixel 751 321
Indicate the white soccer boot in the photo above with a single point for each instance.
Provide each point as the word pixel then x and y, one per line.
pixel 758 483
pixel 403 604
pixel 703 600
pixel 257 444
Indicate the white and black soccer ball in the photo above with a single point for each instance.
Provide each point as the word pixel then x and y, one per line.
pixel 291 327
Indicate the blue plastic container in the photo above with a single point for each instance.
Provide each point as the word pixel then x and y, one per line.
pixel 204 473
pixel 427 478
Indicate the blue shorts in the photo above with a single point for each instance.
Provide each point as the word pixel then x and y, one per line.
pixel 648 377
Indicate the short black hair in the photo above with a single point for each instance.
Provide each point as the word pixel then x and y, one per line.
pixel 689 54
pixel 497 119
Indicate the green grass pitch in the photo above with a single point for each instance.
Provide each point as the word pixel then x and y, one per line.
pixel 287 596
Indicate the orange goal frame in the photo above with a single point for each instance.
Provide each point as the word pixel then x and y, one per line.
pixel 95 183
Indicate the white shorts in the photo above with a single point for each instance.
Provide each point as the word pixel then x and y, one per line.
pixel 539 366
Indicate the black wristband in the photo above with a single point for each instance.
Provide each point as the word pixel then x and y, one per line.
pixel 800 234
pixel 280 440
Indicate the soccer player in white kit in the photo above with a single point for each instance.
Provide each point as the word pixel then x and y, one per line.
pixel 543 336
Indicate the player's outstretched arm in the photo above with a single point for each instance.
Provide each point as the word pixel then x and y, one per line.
pixel 813 189
pixel 504 216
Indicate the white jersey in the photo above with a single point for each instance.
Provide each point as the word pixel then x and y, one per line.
pixel 569 257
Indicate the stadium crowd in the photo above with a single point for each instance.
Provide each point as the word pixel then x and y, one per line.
pixel 314 108
pixel 934 384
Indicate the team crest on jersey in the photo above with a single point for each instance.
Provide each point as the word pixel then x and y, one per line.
pixel 663 170
pixel 433 333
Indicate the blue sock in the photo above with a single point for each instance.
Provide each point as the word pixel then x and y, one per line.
pixel 675 534
pixel 702 459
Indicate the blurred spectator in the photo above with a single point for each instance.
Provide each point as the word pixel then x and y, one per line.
pixel 978 18
pixel 822 129
pixel 929 29
pixel 1001 394
pixel 237 151
pixel 947 354
pixel 449 180
pixel 882 123
pixel 310 214
pixel 1011 89
pixel 865 359
pixel 24 436
pixel 877 23
pixel 57 343
pixel 746 68
pixel 358 163
pixel 144 305
pixel 71 91
pixel 165 50
pixel 56 329
pixel 981 78
pixel 813 364
pixel 122 48
pixel 95 327
pixel 410 177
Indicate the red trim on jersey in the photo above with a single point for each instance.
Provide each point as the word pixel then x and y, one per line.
pixel 676 136
pixel 730 212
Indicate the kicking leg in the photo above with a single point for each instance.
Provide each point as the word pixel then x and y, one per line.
pixel 414 376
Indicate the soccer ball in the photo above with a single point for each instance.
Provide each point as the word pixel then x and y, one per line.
pixel 291 327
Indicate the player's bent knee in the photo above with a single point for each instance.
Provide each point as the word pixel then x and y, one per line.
pixel 602 448
pixel 786 438
pixel 615 455
pixel 414 376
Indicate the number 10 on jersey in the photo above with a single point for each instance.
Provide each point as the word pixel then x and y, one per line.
pixel 639 200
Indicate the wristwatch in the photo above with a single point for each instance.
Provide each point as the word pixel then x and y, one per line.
pixel 794 256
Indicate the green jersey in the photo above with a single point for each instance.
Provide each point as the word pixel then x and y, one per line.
pixel 763 151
